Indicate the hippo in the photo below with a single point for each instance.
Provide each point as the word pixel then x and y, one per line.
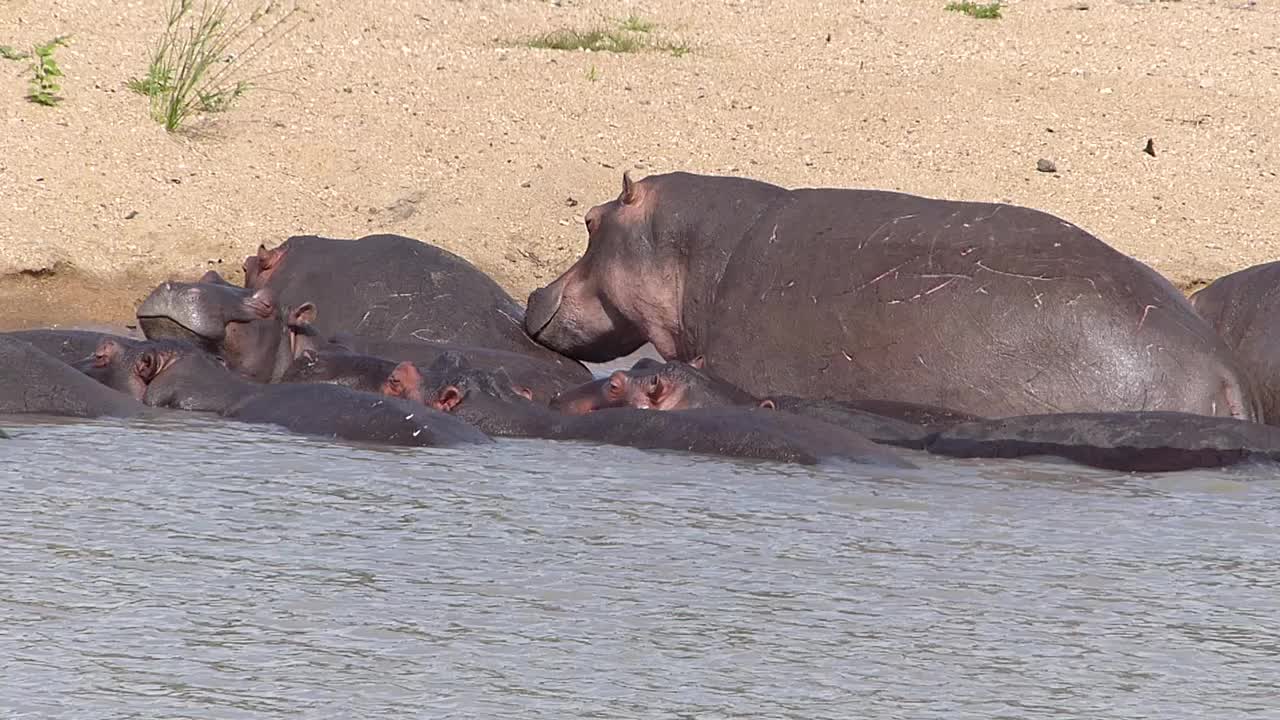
pixel 179 375
pixel 486 400
pixel 543 377
pixel 1244 307
pixel 678 386
pixel 986 308
pixel 69 346
pixel 35 382
pixel 391 287
pixel 249 329
pixel 1156 441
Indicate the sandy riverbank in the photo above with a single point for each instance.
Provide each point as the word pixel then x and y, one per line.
pixel 429 119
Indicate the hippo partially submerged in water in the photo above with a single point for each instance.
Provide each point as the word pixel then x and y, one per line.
pixel 490 402
pixel 986 308
pixel 175 374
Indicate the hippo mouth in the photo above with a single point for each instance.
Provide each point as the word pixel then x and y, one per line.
pixel 157 327
pixel 544 303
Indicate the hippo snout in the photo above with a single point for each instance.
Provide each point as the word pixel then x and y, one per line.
pixel 543 305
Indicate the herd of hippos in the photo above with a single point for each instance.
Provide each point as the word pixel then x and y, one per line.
pixel 803 325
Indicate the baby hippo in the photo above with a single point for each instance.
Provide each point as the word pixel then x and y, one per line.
pixel 677 386
pixel 176 374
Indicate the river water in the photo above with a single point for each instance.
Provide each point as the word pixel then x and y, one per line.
pixel 196 568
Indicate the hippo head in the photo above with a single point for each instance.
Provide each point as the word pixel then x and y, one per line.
pixel 134 367
pixel 458 388
pixel 648 385
pixel 625 290
pixel 259 267
pixel 246 328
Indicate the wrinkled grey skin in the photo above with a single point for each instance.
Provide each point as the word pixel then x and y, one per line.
pixel 543 376
pixel 391 287
pixel 487 401
pixel 1244 308
pixel 988 309
pixel 248 329
pixel 1133 442
pixel 34 382
pixel 680 386
pixel 69 346
pixel 178 375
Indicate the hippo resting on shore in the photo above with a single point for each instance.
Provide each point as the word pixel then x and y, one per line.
pixel 391 287
pixel 676 385
pixel 488 401
pixel 260 337
pixel 32 381
pixel 988 309
pixel 175 374
pixel 1244 307
pixel 1128 441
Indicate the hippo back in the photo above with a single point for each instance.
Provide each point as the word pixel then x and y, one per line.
pixel 1244 307
pixel 32 381
pixel 392 287
pixel 989 309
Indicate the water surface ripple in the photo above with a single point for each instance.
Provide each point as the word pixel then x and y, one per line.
pixel 200 569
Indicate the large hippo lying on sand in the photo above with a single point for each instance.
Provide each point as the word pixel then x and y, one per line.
pixel 260 337
pixel 390 287
pixel 989 309
pixel 1244 307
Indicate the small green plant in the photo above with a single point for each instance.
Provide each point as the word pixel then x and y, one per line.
pixel 593 74
pixel 9 53
pixel 44 70
pixel 637 24
pixel 199 63
pixel 981 11
pixel 631 35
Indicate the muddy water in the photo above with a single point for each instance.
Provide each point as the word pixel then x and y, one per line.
pixel 201 569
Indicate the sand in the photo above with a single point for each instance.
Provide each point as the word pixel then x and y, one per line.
pixel 429 119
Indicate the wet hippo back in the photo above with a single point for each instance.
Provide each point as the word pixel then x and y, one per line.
pixel 69 346
pixel 340 412
pixel 391 287
pixel 544 374
pixel 1138 441
pixel 1244 308
pixel 34 382
pixel 731 432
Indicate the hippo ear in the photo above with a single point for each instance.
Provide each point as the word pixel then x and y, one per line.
pixel 659 391
pixel 267 259
pixel 304 314
pixel 447 398
pixel 768 404
pixel 147 366
pixel 523 391
pixel 404 381
pixel 106 351
pixel 213 277
pixel 261 304
pixel 616 386
pixel 698 363
pixel 630 193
